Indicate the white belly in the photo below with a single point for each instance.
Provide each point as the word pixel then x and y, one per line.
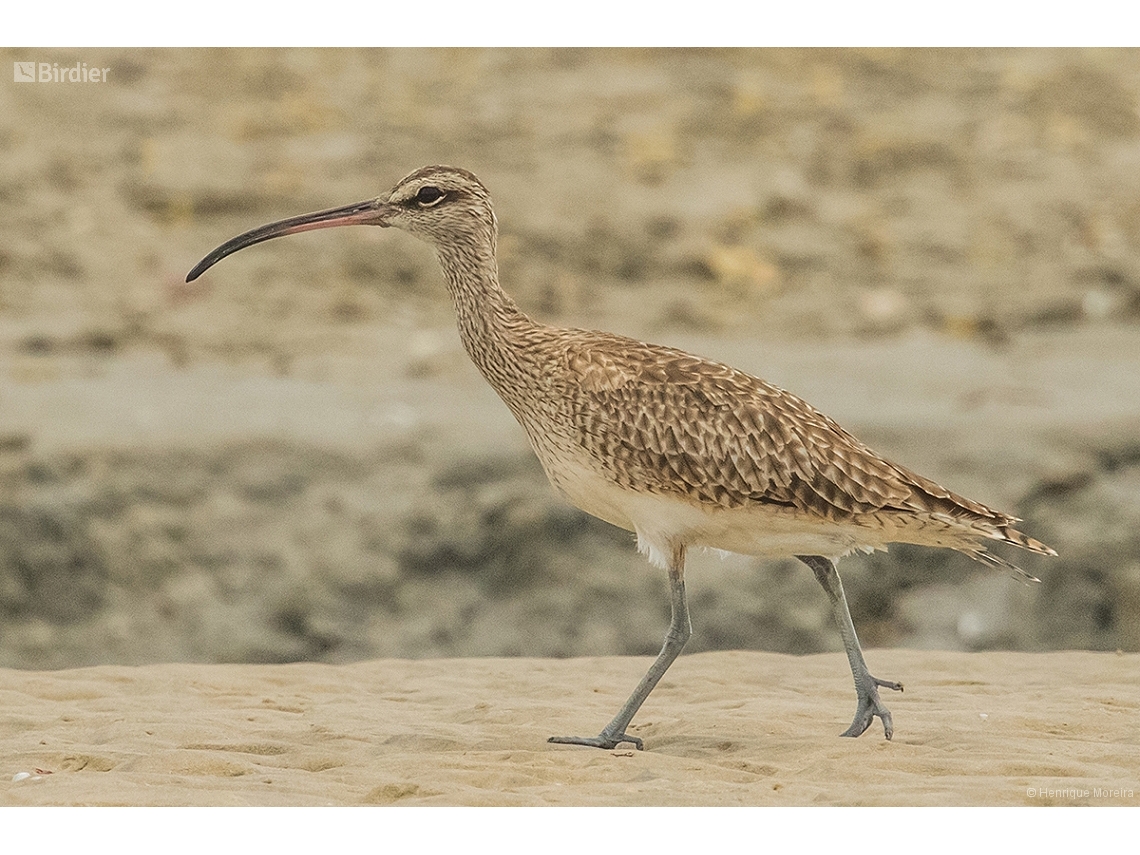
pixel 661 521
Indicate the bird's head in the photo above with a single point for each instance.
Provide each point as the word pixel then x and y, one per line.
pixel 443 205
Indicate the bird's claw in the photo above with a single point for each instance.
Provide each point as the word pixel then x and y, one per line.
pixel 870 706
pixel 602 740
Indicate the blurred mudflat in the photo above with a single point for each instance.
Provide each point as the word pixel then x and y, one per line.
pixel 292 459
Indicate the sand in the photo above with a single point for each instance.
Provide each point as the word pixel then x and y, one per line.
pixel 727 728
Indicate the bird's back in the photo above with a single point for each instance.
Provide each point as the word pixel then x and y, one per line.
pixel 641 422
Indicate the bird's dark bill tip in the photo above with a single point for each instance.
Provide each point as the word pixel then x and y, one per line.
pixel 205 264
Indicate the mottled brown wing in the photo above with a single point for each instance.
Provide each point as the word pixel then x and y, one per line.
pixel 670 421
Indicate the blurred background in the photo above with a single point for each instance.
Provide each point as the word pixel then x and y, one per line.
pixel 292 458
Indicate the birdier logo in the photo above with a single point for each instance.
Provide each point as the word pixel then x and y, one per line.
pixel 51 72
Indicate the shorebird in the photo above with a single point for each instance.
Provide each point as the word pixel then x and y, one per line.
pixel 683 451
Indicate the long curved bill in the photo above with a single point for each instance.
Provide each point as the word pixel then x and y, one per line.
pixel 370 213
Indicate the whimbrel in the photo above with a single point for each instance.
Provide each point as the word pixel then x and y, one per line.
pixel 683 451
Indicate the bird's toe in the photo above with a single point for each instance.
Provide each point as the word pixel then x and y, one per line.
pixel 870 705
pixel 602 740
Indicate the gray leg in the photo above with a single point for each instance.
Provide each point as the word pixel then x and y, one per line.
pixel 679 631
pixel 866 686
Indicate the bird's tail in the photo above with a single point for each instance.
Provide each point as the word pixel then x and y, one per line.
pixel 1012 535
pixel 1005 534
pixel 980 553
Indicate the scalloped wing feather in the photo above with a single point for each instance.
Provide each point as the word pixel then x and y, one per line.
pixel 666 421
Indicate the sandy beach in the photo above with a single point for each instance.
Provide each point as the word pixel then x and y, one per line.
pixel 732 728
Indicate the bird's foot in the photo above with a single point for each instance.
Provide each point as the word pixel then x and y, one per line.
pixel 602 740
pixel 870 706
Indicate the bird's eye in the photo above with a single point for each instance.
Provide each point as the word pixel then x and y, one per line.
pixel 429 196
